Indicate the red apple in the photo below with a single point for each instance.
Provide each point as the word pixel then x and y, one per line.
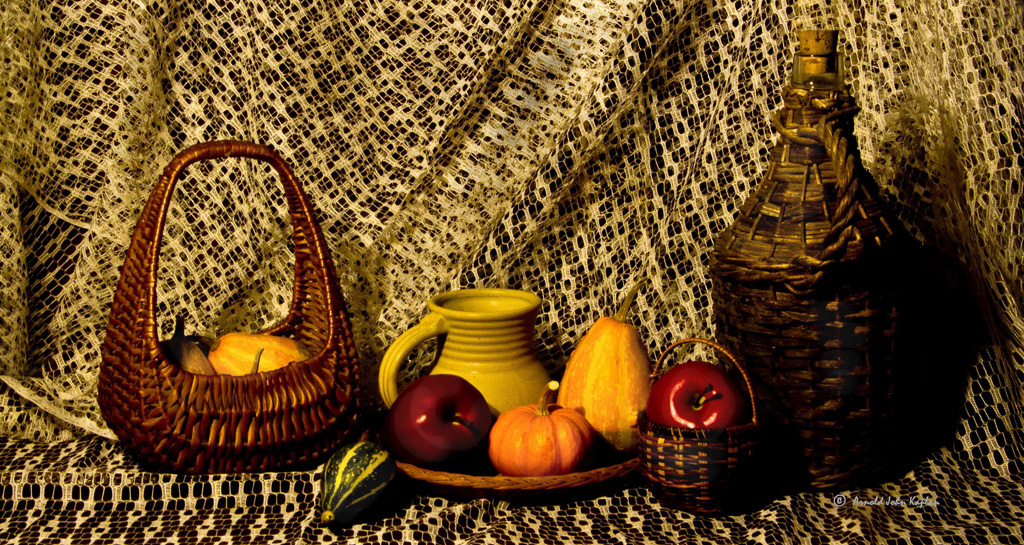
pixel 696 394
pixel 436 417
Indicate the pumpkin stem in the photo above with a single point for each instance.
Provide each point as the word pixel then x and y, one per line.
pixel 256 362
pixel 547 398
pixel 623 312
pixel 179 327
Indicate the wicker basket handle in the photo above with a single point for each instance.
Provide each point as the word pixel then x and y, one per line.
pixel 835 143
pixel 721 349
pixel 308 239
pixel 801 275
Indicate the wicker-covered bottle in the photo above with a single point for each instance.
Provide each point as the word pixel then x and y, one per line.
pixel 802 289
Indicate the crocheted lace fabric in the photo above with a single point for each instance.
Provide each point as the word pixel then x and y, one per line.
pixel 565 147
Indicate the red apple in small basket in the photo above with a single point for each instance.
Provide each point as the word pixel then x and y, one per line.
pixel 697 394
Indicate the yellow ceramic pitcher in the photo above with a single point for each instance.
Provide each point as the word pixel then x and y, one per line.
pixel 488 340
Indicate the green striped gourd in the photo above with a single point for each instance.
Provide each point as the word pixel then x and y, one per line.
pixel 352 479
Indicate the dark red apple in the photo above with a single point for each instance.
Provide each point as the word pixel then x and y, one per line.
pixel 436 417
pixel 696 394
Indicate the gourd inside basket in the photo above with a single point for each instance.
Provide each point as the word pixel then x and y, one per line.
pixel 178 421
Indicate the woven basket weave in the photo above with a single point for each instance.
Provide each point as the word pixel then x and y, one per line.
pixel 182 422
pixel 500 486
pixel 802 292
pixel 701 470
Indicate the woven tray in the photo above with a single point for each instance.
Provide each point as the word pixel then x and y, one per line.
pixel 177 421
pixel 500 486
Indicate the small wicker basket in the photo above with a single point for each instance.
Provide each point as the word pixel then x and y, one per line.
pixel 704 471
pixel 174 420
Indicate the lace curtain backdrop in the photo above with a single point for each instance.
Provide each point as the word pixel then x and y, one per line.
pixel 565 147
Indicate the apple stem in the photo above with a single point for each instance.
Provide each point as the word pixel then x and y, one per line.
pixel 699 400
pixel 547 398
pixel 623 312
pixel 465 422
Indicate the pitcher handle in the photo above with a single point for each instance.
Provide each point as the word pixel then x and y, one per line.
pixel 432 325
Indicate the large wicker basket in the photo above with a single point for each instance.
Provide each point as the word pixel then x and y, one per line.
pixel 803 291
pixel 177 421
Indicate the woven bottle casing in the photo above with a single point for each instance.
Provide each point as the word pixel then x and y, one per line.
pixel 802 292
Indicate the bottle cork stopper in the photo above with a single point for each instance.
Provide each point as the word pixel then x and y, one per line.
pixel 817 63
pixel 817 42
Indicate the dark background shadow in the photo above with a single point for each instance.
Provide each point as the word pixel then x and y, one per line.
pixel 943 328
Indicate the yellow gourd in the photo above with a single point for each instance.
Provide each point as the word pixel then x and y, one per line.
pixel 234 353
pixel 608 377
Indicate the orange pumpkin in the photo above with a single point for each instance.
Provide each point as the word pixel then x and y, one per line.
pixel 540 440
pixel 608 377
